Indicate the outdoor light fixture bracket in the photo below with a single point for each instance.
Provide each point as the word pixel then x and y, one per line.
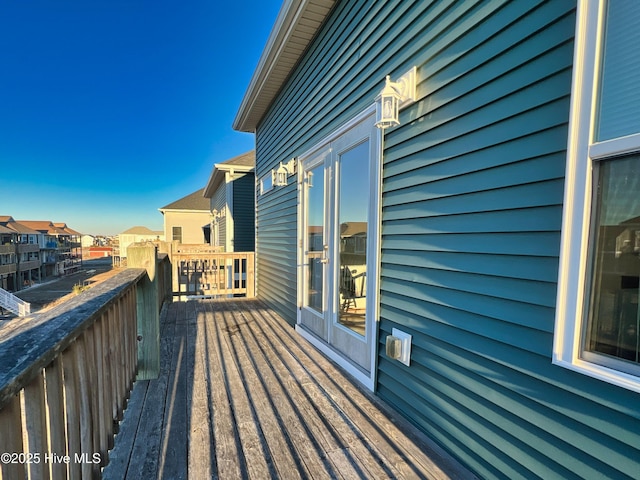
pixel 393 97
pixel 284 171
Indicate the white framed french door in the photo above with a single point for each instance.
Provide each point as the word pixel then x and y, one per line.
pixel 338 245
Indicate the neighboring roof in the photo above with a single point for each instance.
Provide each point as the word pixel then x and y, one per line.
pixel 193 201
pixel 21 228
pixel 246 160
pixel 242 163
pixel 6 230
pixel 42 226
pixel 139 230
pixel 66 228
pixel 37 226
pixel 297 23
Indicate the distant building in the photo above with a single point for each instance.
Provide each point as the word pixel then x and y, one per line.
pixel 133 235
pixel 31 250
pixel 96 251
pixel 26 248
pixel 186 219
pixel 231 190
pixel 60 246
pixel 88 241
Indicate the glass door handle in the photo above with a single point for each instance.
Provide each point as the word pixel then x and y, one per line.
pixel 324 258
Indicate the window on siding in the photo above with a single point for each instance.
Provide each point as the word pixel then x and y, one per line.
pixel 177 234
pixel 598 319
pixel 267 182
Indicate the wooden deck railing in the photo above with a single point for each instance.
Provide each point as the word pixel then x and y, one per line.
pixel 65 376
pixel 213 274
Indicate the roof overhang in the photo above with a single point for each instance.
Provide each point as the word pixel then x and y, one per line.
pixel 218 175
pixel 297 24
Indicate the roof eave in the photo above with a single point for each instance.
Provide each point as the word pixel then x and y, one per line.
pixel 297 24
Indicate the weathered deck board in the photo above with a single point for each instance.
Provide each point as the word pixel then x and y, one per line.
pixel 242 395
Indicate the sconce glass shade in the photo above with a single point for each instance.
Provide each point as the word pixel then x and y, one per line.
pixel 281 177
pixel 388 106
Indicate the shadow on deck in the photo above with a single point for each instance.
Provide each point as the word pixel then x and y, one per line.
pixel 241 395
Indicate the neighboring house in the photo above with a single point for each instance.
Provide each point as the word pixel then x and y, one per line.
pixel 8 259
pixel 186 219
pixel 231 190
pixel 60 247
pixel 133 235
pixel 88 241
pixel 26 243
pixel 494 218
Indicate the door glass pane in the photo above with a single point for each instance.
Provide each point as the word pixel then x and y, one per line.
pixel 619 99
pixel 613 327
pixel 315 237
pixel 353 212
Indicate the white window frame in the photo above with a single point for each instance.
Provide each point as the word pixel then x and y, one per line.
pixel 582 152
pixel 267 182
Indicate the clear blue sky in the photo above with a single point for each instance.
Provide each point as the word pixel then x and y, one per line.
pixel 111 109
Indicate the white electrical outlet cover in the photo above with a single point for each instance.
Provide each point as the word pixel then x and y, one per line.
pixel 405 338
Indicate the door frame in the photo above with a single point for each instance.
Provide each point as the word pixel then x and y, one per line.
pixel 367 379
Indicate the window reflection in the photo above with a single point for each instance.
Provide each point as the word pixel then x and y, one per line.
pixel 353 213
pixel 613 327
pixel 315 237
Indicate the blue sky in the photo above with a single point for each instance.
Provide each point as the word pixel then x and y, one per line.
pixel 111 109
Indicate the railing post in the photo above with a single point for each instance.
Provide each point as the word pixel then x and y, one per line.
pixel 143 255
pixel 251 275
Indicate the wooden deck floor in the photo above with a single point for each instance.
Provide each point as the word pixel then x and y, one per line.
pixel 242 395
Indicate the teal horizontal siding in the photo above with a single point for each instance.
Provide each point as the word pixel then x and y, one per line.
pixel 244 213
pixel 472 198
pixel 444 307
pixel 498 265
pixel 519 197
pixel 526 291
pixel 530 219
pixel 516 243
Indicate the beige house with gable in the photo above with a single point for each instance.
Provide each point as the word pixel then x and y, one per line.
pixel 187 220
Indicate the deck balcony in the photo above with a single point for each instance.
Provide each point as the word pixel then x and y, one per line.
pixel 7 249
pixel 225 389
pixel 8 268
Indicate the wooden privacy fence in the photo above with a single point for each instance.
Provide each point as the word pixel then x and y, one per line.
pixel 65 376
pixel 212 274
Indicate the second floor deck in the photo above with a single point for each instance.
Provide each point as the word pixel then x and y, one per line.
pixel 242 395
pixel 234 392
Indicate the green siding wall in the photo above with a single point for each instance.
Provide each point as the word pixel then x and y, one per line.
pixel 471 217
pixel 244 214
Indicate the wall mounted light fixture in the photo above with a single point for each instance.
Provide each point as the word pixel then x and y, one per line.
pixel 284 171
pixel 393 97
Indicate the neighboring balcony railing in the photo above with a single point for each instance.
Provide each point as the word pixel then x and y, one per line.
pixel 8 268
pixel 213 274
pixel 28 247
pixel 26 265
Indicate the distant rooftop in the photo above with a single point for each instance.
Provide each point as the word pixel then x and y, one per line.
pixel 193 201
pixel 139 230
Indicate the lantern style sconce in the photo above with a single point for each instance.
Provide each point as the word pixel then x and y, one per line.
pixel 217 215
pixel 284 171
pixel 393 97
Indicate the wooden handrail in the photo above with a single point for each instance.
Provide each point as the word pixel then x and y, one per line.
pixel 73 367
